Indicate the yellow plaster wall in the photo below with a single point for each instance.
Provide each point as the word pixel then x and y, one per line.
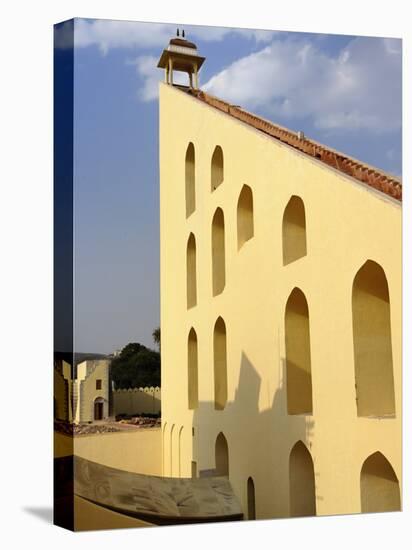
pixel 346 224
pixel 138 451
pixel 137 400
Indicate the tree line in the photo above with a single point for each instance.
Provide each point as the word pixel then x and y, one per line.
pixel 137 365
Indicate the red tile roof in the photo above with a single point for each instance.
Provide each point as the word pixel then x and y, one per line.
pixel 369 175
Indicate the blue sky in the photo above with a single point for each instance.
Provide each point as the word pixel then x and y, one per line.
pixel 343 91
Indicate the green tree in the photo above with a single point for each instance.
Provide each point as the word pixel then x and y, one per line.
pixel 136 366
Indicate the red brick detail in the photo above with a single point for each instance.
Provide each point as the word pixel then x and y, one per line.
pixel 366 174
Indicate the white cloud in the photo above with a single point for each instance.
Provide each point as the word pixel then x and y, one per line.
pixel 108 34
pixel 147 69
pixel 358 89
pixel 146 66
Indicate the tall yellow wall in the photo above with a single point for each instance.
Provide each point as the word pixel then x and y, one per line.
pixel 346 224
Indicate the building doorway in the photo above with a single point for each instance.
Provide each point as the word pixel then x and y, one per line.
pixel 98 408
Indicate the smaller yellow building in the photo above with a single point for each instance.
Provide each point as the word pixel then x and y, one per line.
pixel 90 395
pixel 91 390
pixel 85 396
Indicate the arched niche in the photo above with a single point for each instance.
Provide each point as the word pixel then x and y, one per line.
pixel 171 449
pixel 221 455
pixel 180 450
pixel 245 227
pixel 298 361
pixel 251 502
pixel 191 283
pixel 217 172
pixel 218 252
pixel 190 180
pixel 220 364
pixel 192 369
pixel 294 230
pixel 164 448
pixel 379 485
pixel 372 342
pixel 301 482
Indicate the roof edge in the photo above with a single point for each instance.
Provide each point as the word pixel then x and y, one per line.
pixel 369 175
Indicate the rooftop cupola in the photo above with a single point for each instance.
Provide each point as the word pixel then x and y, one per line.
pixel 181 55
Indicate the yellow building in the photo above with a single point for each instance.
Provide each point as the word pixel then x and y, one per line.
pixel 280 310
pixel 91 389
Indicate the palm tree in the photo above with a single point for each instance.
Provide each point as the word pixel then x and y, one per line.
pixel 156 336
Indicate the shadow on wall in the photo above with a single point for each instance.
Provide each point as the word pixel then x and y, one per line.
pixel 267 453
pixel 264 451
